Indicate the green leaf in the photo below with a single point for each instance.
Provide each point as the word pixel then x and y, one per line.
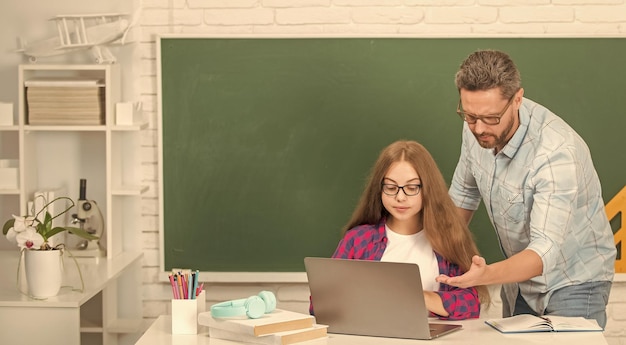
pixel 54 231
pixel 8 225
pixel 47 219
pixel 42 230
pixel 80 233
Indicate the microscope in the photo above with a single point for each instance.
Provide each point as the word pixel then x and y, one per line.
pixel 88 218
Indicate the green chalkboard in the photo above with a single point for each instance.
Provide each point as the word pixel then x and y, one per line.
pixel 267 142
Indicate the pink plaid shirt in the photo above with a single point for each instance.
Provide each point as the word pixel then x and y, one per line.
pixel 368 242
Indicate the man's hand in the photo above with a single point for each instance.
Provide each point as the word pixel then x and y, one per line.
pixel 473 277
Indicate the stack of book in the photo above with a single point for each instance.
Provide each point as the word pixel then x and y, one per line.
pixel 65 101
pixel 280 327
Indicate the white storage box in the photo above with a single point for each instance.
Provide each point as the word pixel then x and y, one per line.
pixel 6 114
pixel 9 176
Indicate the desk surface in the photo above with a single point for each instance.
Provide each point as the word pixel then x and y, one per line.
pixel 473 332
pixel 96 272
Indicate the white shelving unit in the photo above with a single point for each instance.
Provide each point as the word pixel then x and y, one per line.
pixel 108 157
pixel 9 149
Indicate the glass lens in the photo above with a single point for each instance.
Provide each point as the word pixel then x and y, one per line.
pixel 390 189
pixel 490 120
pixel 411 189
pixel 467 118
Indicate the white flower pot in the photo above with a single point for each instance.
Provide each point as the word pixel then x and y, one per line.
pixel 43 272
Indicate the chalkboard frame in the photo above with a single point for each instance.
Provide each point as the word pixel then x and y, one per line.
pixel 298 276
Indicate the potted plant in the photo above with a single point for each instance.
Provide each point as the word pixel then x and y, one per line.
pixel 42 261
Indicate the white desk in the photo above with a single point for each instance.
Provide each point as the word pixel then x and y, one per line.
pixel 60 319
pixel 473 332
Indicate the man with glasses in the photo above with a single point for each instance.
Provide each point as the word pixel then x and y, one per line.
pixel 541 191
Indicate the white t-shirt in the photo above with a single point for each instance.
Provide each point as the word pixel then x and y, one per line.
pixel 413 248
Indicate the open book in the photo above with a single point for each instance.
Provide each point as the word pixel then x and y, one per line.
pixel 525 323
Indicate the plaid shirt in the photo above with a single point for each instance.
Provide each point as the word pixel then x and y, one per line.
pixel 368 242
pixel 542 193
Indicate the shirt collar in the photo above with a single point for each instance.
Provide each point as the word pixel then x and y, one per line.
pixel 511 148
pixel 381 230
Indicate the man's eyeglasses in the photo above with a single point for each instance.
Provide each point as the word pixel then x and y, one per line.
pixel 486 119
pixel 394 189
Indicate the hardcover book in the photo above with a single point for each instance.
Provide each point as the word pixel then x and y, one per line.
pixel 278 338
pixel 277 321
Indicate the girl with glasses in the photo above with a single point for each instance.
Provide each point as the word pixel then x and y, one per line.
pixel 406 215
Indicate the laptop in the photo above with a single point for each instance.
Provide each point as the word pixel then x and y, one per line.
pixel 371 298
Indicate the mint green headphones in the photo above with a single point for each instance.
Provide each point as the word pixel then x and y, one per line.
pixel 254 306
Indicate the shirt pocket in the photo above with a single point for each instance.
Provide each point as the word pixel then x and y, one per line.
pixel 477 176
pixel 512 201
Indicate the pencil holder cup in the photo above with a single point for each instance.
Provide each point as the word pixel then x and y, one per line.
pixel 185 314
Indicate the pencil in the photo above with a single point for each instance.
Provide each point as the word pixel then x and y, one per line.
pixel 181 294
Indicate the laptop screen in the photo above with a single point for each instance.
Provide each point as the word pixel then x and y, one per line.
pixel 370 298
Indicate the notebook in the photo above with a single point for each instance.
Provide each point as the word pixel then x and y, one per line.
pixel 371 298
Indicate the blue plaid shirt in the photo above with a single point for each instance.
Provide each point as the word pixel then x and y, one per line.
pixel 542 193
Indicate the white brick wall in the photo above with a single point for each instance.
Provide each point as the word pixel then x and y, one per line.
pixel 421 18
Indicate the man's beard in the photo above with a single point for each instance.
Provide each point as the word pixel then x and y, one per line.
pixel 498 142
